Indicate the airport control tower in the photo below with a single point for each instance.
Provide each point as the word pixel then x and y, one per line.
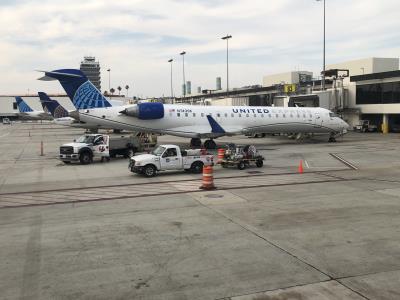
pixel 91 68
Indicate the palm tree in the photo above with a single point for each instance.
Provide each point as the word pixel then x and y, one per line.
pixel 119 90
pixel 112 91
pixel 127 88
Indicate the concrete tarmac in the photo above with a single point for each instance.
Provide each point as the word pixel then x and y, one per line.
pixel 331 234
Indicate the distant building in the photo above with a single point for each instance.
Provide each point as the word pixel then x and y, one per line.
pixel 294 77
pixel 91 68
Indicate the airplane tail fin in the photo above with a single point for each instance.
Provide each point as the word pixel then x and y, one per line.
pixel 79 89
pixel 22 106
pixel 55 108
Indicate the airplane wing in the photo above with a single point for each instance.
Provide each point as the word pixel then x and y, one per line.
pixel 202 131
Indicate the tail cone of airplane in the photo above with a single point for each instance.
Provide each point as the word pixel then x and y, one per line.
pixel 74 114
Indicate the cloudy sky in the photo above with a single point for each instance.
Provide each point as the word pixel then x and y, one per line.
pixel 135 38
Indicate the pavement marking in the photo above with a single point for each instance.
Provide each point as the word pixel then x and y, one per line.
pixel 44 198
pixel 306 163
pixel 347 163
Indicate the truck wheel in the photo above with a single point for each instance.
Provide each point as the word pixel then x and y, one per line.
pixel 259 163
pixel 66 162
pixel 85 158
pixel 241 165
pixel 197 167
pixel 149 171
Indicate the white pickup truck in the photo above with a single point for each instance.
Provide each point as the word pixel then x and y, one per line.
pixel 170 157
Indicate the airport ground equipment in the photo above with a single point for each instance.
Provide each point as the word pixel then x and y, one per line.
pixel 99 146
pixel 6 121
pixel 170 157
pixel 365 126
pixel 242 157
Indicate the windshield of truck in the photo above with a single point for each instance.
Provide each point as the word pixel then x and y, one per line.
pixel 87 139
pixel 158 151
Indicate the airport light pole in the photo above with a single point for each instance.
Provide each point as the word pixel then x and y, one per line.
pixel 227 37
pixel 183 67
pixel 323 73
pixel 172 91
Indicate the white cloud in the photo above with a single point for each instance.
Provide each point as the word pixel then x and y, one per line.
pixel 135 38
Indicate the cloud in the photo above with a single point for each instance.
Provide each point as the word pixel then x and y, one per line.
pixel 135 38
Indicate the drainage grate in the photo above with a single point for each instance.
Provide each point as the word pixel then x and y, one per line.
pixel 214 196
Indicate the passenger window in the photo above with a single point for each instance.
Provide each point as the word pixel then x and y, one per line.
pixel 262 115
pixel 170 152
pixel 255 115
pixel 186 114
pixel 283 115
pixel 270 115
pixel 277 115
pixel 178 114
pixel 194 114
pixel 226 115
pixel 304 115
pixel 232 115
pixel 247 115
pixel 202 114
pixel 240 115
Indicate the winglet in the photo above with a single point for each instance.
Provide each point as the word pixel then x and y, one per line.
pixel 215 127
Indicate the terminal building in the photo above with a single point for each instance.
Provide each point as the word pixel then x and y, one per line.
pixel 91 68
pixel 364 89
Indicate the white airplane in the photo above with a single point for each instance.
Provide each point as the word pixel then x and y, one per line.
pixel 196 122
pixel 27 113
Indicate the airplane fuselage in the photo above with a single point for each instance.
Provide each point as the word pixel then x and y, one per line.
pixel 191 121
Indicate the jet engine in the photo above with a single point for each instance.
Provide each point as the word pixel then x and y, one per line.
pixel 145 111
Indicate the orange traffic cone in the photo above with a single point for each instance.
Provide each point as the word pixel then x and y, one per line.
pixel 301 167
pixel 208 179
pixel 221 155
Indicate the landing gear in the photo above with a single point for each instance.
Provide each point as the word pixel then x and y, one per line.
pixel 210 144
pixel 195 143
pixel 332 139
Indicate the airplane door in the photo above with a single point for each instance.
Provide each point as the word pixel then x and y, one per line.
pixel 170 160
pixel 318 120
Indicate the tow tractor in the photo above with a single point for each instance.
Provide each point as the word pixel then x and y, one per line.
pixel 365 126
pixel 170 157
pixel 242 157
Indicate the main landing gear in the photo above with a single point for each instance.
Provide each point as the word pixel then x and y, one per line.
pixel 208 144
pixel 332 138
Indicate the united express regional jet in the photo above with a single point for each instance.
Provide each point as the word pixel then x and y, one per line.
pixel 195 122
